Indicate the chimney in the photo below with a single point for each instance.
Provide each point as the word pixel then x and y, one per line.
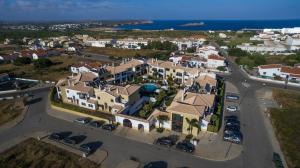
pixel 69 82
pixel 117 90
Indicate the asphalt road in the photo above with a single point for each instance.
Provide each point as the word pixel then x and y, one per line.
pixel 257 149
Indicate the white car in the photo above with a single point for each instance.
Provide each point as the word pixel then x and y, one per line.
pixel 232 108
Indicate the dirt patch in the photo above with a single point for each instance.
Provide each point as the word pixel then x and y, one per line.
pixel 10 109
pixel 36 154
pixel 286 123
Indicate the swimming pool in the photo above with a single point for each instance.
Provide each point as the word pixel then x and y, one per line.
pixel 149 88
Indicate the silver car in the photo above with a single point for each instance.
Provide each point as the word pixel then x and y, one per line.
pixel 232 108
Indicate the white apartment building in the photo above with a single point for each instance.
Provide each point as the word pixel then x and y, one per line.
pixel 130 43
pixel 262 48
pixel 98 43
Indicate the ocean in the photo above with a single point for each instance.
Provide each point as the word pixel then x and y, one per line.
pixel 214 24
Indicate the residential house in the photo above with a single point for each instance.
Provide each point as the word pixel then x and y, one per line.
pixel 214 61
pixel 187 106
pixel 126 71
pixel 166 69
pixel 93 67
pixel 205 51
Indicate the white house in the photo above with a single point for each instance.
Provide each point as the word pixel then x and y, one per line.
pixel 81 67
pixel 215 61
pixel 270 70
pixel 206 51
pixel 98 43
pixel 130 43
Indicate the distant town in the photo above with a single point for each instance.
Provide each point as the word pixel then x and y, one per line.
pixel 110 96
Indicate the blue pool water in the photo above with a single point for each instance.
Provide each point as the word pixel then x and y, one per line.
pixel 149 88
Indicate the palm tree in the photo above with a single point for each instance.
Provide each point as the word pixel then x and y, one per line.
pixel 192 123
pixel 161 119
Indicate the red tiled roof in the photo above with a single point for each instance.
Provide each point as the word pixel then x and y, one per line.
pixel 216 57
pixel 270 66
pixel 290 70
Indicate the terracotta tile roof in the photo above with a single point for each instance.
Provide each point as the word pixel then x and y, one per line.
pixel 216 57
pixel 124 66
pixel 270 66
pixel 193 103
pixel 87 76
pixel 290 70
pixel 127 90
pixel 186 108
pixel 80 87
pixel 206 79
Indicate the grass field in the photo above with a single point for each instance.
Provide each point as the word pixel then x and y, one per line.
pixel 36 154
pixel 118 52
pixel 60 69
pixel 287 126
pixel 10 109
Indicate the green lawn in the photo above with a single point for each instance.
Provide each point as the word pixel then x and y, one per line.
pixel 36 154
pixel 286 123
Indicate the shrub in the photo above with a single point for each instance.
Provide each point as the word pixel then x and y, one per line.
pixel 22 61
pixel 189 136
pixel 42 63
pixel 160 130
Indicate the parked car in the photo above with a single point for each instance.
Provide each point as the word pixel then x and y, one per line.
pixel 277 160
pixel 74 139
pixel 59 136
pixel 109 127
pixel 231 122
pixel 165 141
pixel 84 120
pixel 96 124
pixel 87 148
pixel 233 137
pixel 232 108
pixel 232 97
pixel 185 146
pixel 232 128
pixel 156 164
pixel 231 117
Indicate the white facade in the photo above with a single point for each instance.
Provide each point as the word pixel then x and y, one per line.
pixel 81 99
pixel 261 48
pixel 131 43
pixel 98 43
pixel 214 63
pixel 206 51
pixel 269 72
pixel 175 59
pixel 82 69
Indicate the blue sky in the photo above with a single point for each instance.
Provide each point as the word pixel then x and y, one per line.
pixel 148 9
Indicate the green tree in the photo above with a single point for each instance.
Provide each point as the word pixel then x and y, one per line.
pixel 161 119
pixel 22 61
pixel 42 63
pixel 221 68
pixel 192 123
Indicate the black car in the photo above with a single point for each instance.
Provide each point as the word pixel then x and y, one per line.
pixel 157 164
pixel 231 117
pixel 232 128
pixel 96 124
pixel 165 141
pixel 59 136
pixel 74 139
pixel 232 122
pixel 87 148
pixel 185 146
pixel 109 127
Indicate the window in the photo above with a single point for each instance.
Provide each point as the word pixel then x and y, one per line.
pixel 111 100
pixel 90 105
pixel 67 91
pixel 173 70
pixel 83 104
pixel 98 98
